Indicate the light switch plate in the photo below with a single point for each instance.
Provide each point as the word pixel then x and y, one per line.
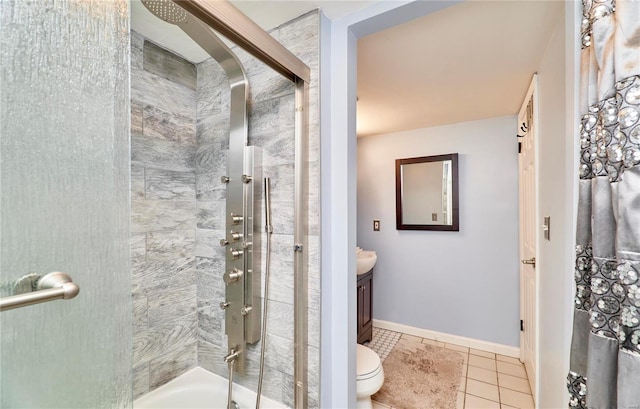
pixel 376 225
pixel 546 228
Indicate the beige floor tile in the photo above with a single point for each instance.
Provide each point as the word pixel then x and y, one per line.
pixel 488 380
pixel 516 399
pixel 457 347
pixel 433 342
pixel 464 372
pixel 514 383
pixel 378 405
pixel 474 402
pixel 411 338
pixel 481 362
pixel 463 382
pixel 482 390
pixel 483 375
pixel 482 353
pixel 510 369
pixel 508 359
pixel 464 356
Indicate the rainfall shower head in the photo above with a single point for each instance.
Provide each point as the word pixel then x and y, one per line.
pixel 170 12
pixel 166 10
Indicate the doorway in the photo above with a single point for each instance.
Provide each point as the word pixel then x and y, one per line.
pixel 558 102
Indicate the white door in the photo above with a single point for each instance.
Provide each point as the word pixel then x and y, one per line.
pixel 528 223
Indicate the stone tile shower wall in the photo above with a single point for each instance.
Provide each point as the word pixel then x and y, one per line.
pixel 180 131
pixel 163 209
pixel 271 127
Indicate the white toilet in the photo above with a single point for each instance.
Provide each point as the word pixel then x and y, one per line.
pixel 370 376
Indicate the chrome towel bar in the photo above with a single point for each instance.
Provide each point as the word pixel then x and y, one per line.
pixel 51 287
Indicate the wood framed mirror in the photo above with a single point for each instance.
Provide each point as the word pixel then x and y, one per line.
pixel 427 193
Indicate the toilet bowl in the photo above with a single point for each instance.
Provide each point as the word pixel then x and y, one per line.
pixel 370 376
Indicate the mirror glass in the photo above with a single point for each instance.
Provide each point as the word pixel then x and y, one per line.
pixel 427 193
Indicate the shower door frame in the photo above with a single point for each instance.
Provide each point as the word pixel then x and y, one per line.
pixel 233 24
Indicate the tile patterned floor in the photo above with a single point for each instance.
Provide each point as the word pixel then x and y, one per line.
pixel 488 380
pixel 383 341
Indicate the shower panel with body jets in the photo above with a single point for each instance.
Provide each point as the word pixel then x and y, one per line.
pixel 242 275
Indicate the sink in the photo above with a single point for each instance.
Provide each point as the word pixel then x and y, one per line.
pixel 365 261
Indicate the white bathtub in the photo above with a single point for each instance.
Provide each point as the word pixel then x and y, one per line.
pixel 200 389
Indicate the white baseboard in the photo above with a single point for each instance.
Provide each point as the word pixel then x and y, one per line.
pixel 450 338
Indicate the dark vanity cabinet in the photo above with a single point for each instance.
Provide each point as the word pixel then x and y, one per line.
pixel 365 304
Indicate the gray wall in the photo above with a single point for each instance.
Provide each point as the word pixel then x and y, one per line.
pixel 163 214
pixel 463 283
pixel 271 120
pixel 65 201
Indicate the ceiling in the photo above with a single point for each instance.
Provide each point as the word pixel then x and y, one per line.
pixel 469 61
pixel 267 14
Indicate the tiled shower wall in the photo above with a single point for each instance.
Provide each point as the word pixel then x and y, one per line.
pixel 271 127
pixel 180 131
pixel 163 214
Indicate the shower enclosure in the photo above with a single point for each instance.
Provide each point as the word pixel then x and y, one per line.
pixel 136 223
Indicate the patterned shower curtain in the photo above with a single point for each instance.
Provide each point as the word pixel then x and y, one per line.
pixel 605 350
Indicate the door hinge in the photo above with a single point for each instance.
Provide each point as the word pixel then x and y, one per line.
pixel 521 325
pixel 523 128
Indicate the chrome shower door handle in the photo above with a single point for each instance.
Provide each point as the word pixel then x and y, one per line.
pixel 531 261
pixel 53 286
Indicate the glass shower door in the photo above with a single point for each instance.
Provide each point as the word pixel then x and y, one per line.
pixel 64 206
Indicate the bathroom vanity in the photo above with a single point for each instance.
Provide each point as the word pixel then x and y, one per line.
pixel 365 304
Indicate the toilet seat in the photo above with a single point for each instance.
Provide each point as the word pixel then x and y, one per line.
pixel 367 363
pixel 369 375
